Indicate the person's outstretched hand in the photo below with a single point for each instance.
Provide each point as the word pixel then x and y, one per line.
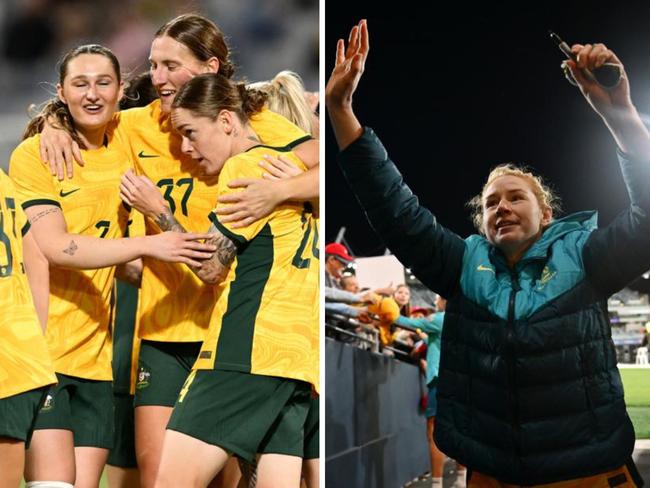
pixel 343 82
pixel 607 102
pixel 348 68
pixel 614 105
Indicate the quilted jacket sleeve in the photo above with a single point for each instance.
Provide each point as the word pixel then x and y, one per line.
pixel 410 231
pixel 617 254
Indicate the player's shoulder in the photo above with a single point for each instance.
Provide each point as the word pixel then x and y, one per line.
pixel 275 129
pixel 246 162
pixel 26 160
pixel 28 146
pixel 139 115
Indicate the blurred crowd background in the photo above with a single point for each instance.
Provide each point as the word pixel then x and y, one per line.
pixel 264 36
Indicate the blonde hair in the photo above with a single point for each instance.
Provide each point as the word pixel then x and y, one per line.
pixel 286 96
pixel 546 197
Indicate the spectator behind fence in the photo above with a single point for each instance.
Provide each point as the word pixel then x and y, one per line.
pixel 337 259
pixel 350 283
pixel 402 296
pixel 387 311
pixel 412 342
pixel 337 300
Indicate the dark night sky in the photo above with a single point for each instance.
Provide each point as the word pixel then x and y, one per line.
pixel 454 91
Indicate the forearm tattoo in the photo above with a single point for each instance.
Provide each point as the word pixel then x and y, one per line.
pixel 42 214
pixel 71 249
pixel 226 249
pixel 166 221
pixel 215 269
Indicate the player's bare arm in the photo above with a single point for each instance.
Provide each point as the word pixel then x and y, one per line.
pixel 65 249
pixel 37 269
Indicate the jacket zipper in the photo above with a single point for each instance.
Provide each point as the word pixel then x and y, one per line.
pixel 511 363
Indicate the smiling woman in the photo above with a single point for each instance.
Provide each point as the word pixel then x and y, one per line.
pixel 90 91
pixel 187 46
pixel 528 392
pixel 80 224
pixel 89 87
pixel 513 209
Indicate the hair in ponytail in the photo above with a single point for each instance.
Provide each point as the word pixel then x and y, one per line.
pixel 208 94
pixel 57 113
pixel 286 96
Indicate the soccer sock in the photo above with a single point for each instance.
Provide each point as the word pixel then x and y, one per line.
pixel 436 482
pixel 460 479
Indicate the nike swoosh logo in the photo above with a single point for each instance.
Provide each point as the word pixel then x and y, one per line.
pixel 66 193
pixel 141 154
pixel 484 268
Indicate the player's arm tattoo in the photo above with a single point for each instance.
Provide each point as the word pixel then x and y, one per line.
pixel 42 214
pixel 166 221
pixel 215 269
pixel 212 270
pixel 71 249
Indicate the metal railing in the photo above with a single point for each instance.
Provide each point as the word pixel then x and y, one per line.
pixel 364 336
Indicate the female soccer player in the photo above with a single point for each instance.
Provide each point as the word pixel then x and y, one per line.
pixel 78 225
pixel 261 353
pixel 26 369
pixel 528 392
pixel 286 96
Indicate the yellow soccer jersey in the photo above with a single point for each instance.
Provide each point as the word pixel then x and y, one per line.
pixel 25 363
pixel 79 316
pixel 266 319
pixel 175 306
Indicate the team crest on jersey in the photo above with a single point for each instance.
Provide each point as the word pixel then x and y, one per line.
pixel 143 379
pixel 48 404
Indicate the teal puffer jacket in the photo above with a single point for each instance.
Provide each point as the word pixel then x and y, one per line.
pixel 528 390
